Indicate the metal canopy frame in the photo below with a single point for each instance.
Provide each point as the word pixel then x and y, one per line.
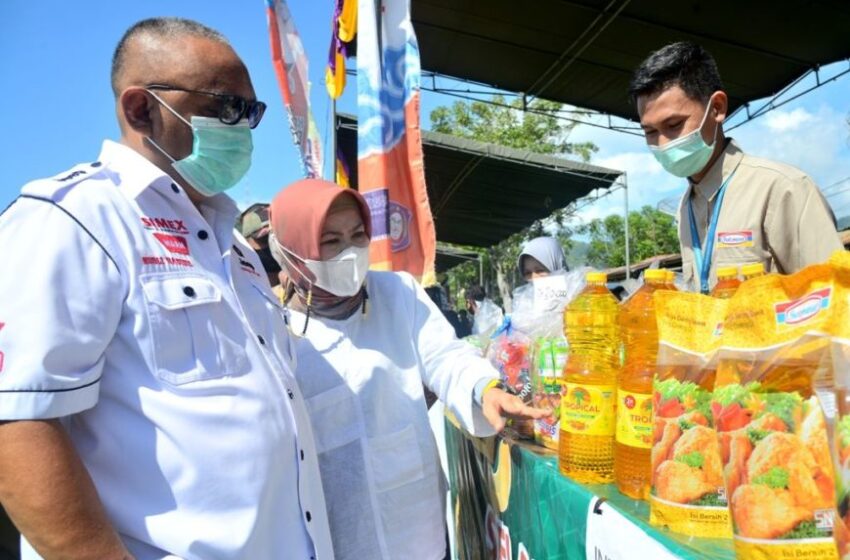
pixel 775 103
pixel 564 115
pixel 582 117
pixel 593 182
pixel 604 39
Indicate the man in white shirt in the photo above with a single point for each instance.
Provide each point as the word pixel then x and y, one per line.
pixel 148 404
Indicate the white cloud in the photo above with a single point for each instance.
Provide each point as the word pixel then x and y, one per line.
pixel 786 121
pixel 819 148
pixel 633 163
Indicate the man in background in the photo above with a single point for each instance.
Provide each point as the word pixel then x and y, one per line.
pixel 254 224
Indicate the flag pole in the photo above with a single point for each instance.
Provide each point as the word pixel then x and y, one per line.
pixel 333 153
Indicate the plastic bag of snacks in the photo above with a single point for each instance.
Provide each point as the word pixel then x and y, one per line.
pixel 773 365
pixel 687 492
pixel 550 356
pixel 538 309
pixel 510 352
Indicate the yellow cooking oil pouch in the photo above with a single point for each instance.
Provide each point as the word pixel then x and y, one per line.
pixel 688 495
pixel 774 380
pixel 840 332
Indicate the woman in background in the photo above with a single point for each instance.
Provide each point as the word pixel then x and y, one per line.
pixel 541 256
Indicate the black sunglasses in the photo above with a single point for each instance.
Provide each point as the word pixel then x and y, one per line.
pixel 233 108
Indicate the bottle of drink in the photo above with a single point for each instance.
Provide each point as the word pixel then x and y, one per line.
pixel 633 442
pixel 752 270
pixel 727 282
pixel 588 420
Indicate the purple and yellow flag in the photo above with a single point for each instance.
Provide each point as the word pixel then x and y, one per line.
pixel 290 64
pixel 343 32
pixel 391 173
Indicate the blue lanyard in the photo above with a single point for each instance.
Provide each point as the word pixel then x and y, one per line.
pixel 703 261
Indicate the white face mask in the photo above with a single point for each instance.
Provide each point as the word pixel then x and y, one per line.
pixel 342 275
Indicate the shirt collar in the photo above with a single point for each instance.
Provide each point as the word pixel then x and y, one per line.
pixel 728 161
pixel 137 173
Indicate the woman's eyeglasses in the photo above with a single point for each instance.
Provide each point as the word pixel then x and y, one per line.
pixel 233 108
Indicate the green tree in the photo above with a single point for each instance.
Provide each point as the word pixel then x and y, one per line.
pixel 651 233
pixel 541 130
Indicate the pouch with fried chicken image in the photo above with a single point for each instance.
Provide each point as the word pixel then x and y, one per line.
pixel 840 355
pixel 688 494
pixel 773 374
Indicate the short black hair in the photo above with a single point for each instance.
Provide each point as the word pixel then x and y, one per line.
pixel 476 293
pixel 162 27
pixel 682 64
pixel 436 295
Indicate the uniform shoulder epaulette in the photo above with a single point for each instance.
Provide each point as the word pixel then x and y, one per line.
pixel 51 187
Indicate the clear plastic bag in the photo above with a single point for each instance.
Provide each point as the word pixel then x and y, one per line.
pixel 538 306
pixel 488 318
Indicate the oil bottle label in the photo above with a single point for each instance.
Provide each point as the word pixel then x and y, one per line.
pixel 588 409
pixel 634 419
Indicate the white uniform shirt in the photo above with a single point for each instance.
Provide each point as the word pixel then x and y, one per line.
pixel 362 378
pixel 151 330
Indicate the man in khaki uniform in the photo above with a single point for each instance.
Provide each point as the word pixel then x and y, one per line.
pixel 738 209
pixel 254 224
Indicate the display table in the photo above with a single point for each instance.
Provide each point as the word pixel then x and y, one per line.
pixel 510 502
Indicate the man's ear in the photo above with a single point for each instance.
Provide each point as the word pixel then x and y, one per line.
pixel 135 107
pixel 720 104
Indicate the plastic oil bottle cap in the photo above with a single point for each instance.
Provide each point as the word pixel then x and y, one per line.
pixel 752 269
pixel 596 277
pixel 727 272
pixel 655 275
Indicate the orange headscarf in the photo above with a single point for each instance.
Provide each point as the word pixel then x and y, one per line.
pixel 297 216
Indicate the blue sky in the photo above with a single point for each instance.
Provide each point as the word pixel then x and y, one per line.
pixel 56 58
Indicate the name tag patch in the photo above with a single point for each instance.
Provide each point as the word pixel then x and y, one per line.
pixel 742 238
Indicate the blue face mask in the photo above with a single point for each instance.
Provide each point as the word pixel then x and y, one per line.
pixel 221 153
pixel 686 155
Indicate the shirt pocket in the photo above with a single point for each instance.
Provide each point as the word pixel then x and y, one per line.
pixel 334 417
pixel 195 335
pixel 396 459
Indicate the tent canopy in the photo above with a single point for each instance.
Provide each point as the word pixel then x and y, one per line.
pixel 583 52
pixel 482 193
pixel 450 257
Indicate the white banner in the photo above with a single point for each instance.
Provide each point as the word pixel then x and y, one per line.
pixel 611 536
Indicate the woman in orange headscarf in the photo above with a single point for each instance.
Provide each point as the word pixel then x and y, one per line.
pixel 371 340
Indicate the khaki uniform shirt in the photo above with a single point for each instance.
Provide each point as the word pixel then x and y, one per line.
pixel 772 213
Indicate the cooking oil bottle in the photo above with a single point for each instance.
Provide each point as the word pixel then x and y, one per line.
pixel 633 442
pixel 671 280
pixel 752 270
pixel 588 420
pixel 727 282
